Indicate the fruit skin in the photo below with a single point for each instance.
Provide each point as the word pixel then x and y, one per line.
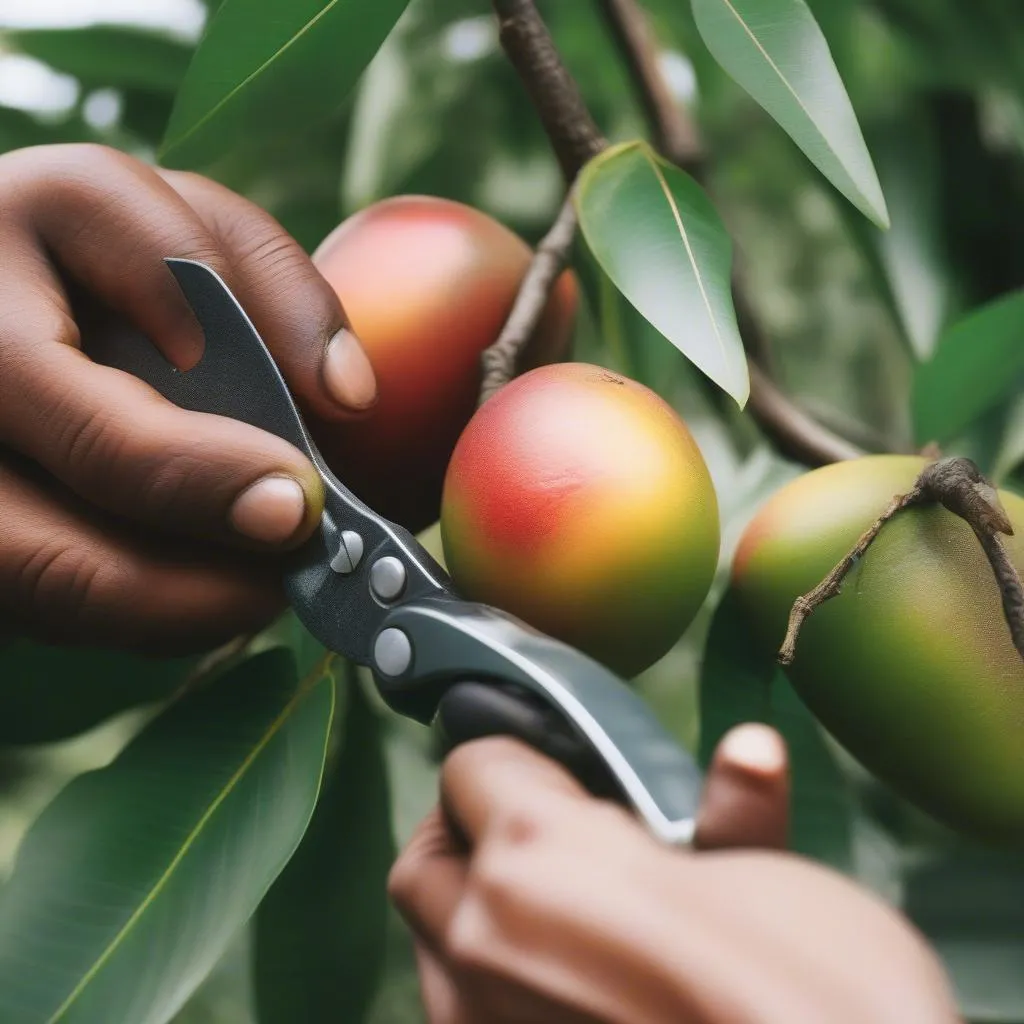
pixel 578 501
pixel 427 285
pixel 911 668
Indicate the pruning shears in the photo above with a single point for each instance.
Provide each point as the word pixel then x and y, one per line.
pixel 365 588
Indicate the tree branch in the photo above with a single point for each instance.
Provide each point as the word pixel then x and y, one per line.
pixel 675 133
pixel 499 361
pixel 527 42
pixel 794 432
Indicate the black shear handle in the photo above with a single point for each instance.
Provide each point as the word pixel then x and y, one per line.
pixel 591 721
pixel 471 711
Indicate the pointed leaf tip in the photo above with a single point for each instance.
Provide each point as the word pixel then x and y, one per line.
pixel 662 244
pixel 777 52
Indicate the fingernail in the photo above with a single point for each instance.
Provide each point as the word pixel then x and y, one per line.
pixel 756 747
pixel 271 510
pixel 348 375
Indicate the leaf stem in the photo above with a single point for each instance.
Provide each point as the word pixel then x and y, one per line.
pixel 499 360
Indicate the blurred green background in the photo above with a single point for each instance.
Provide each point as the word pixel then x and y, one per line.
pixel 938 87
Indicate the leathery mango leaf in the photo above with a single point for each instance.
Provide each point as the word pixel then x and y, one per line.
pixel 321 932
pixel 661 242
pixel 978 362
pixel 111 56
pixel 776 51
pixel 133 881
pixel 50 693
pixel 267 68
pixel 737 685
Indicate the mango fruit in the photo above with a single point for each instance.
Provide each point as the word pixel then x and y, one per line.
pixel 578 500
pixel 911 668
pixel 427 284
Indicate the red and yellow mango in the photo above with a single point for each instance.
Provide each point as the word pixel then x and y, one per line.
pixel 911 668
pixel 427 285
pixel 577 500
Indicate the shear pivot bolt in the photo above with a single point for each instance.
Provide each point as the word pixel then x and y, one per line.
pixel 350 550
pixel 387 578
pixel 392 652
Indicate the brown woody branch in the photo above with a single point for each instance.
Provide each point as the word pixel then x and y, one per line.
pixel 499 361
pixel 529 46
pixel 794 432
pixel 674 132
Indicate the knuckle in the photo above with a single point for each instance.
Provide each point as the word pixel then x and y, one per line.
pixel 63 578
pixel 475 939
pixel 495 879
pixel 118 465
pixel 465 944
pixel 168 485
pixel 402 881
pixel 520 826
pixel 86 446
pixel 269 250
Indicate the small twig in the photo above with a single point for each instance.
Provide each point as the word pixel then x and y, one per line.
pixel 527 42
pixel 675 133
pixel 1010 590
pixel 958 485
pixel 831 586
pixel 499 361
pixel 794 432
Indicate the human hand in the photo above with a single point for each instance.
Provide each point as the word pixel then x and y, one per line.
pixel 126 520
pixel 532 902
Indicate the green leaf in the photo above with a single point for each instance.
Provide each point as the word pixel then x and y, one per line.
pixel 657 236
pixel 107 56
pixel 51 693
pixel 740 684
pixel 134 880
pixel 978 362
pixel 823 806
pixel 290 633
pixel 19 129
pixel 270 68
pixel 777 52
pixel 735 680
pixel 1011 450
pixel 910 251
pixel 321 932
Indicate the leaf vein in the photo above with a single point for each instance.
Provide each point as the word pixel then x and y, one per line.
pixel 684 234
pixel 252 75
pixel 301 693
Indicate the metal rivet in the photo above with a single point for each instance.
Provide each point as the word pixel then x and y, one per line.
pixel 392 652
pixel 350 550
pixel 387 578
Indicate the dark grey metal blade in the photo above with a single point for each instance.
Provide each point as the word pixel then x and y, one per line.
pixel 658 778
pixel 236 377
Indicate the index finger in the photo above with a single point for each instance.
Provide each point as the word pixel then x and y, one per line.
pixel 297 312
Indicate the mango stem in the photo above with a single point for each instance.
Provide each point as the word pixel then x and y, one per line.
pixel 959 486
